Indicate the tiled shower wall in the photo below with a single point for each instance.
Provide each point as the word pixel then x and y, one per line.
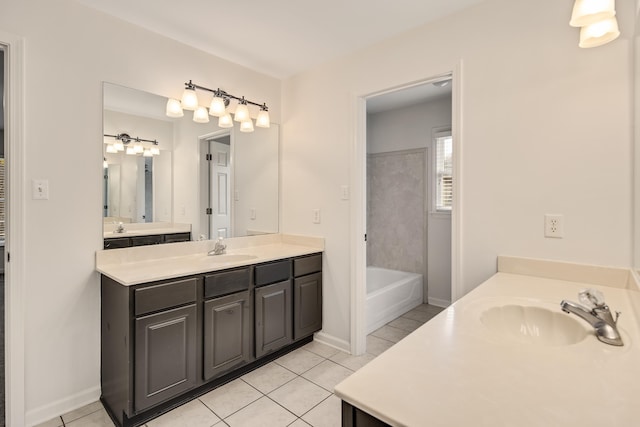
pixel 396 220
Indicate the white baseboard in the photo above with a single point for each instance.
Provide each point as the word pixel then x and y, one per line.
pixel 439 302
pixel 62 406
pixel 332 341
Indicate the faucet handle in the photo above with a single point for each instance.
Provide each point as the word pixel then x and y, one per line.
pixel 592 298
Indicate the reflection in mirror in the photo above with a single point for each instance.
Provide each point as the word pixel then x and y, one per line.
pixel 217 182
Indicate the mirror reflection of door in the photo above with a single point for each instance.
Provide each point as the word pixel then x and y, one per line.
pixel 218 164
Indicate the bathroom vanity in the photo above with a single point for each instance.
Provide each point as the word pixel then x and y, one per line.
pixel 177 322
pixel 506 355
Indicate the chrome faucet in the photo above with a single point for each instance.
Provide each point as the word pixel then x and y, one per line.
pixel 219 248
pixel 597 314
pixel 120 228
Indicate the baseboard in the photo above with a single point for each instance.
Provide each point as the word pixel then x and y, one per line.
pixel 62 406
pixel 332 341
pixel 439 302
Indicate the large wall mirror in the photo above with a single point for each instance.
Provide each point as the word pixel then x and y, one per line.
pixel 220 182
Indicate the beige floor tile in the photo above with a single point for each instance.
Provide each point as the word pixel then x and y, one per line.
pixel 299 395
pixel 405 324
pixel 352 362
pixel 419 315
pixel 326 414
pixel 95 419
pixel 262 412
pixel 376 346
pixel 54 422
pixel 231 397
pixel 192 414
pixel 327 374
pixel 81 412
pixel 269 377
pixel 299 360
pixel 321 349
pixel 390 333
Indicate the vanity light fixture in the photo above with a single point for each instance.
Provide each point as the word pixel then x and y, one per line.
pixel 219 107
pixel 597 22
pixel 132 145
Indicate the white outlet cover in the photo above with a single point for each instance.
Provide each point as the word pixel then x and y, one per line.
pixel 554 226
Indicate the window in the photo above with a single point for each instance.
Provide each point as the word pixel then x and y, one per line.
pixel 443 170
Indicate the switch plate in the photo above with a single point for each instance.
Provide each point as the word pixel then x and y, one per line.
pixel 316 216
pixel 554 226
pixel 40 189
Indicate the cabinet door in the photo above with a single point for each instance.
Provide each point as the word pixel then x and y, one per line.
pixel 165 355
pixel 227 333
pixel 273 317
pixel 307 305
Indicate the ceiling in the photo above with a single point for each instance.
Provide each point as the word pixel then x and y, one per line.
pixel 279 37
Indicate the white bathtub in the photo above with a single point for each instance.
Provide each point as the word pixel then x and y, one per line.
pixel 390 294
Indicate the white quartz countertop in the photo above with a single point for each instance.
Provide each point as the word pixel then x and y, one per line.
pixel 456 371
pixel 144 229
pixel 132 266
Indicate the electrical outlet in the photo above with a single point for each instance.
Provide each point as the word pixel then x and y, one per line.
pixel 554 226
pixel 316 216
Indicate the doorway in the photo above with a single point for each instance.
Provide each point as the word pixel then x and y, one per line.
pixel 215 183
pixel 3 209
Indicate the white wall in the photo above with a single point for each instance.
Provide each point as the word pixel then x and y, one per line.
pixel 69 51
pixel 545 128
pixel 408 128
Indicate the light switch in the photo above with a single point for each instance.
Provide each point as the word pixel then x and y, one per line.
pixel 40 189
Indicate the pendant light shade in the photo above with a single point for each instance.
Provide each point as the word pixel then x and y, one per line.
pixel 119 146
pixel 242 112
pixel 225 121
pixel 111 149
pixel 263 120
pixel 189 99
pixel 131 151
pixel 600 33
pixel 246 126
pixel 201 115
pixel 147 153
pixel 174 109
pixel 155 151
pixel 138 149
pixel 586 12
pixel 217 107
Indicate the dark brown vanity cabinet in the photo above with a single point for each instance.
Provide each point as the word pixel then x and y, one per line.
pixel 273 308
pixel 152 239
pixel 307 295
pixel 228 315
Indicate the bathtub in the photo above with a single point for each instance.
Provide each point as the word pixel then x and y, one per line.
pixel 390 294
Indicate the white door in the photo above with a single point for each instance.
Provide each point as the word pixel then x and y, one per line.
pixel 220 189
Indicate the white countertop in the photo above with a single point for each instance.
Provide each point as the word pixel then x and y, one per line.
pixel 455 371
pixel 132 266
pixel 144 229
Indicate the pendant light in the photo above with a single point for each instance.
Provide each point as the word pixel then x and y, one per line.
pixel 111 148
pixel 586 12
pixel 599 33
pixel 242 112
pixel 189 97
pixel 263 120
pixel 174 109
pixel 200 115
pixel 225 121
pixel 218 106
pixel 246 126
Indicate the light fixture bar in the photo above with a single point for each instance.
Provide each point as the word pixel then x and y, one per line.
pixel 223 94
pixel 126 138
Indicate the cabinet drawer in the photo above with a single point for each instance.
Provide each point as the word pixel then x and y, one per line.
pixel 159 297
pixel 121 242
pixel 227 282
pixel 177 237
pixel 307 265
pixel 146 240
pixel 273 272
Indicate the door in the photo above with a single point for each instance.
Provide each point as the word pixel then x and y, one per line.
pixel 218 209
pixel 227 333
pixel 273 317
pixel 307 305
pixel 165 355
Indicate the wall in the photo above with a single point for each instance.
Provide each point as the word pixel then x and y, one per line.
pixel 69 51
pixel 545 127
pixel 409 128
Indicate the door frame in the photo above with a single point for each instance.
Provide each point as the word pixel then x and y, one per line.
pixel 13 47
pixel 358 206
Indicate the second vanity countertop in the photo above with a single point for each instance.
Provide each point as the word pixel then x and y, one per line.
pixel 454 371
pixel 132 266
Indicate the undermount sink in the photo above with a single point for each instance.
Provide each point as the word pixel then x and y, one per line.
pixel 228 258
pixel 533 325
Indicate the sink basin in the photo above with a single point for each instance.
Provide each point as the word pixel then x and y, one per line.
pixel 533 325
pixel 229 258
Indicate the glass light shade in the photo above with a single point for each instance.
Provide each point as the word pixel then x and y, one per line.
pixel 155 151
pixel 263 121
pixel 138 148
pixel 147 153
pixel 111 149
pixel 225 121
pixel 174 109
pixel 217 107
pixel 201 115
pixel 599 33
pixel 189 99
pixel 242 113
pixel 246 126
pixel 119 146
pixel 131 151
pixel 586 12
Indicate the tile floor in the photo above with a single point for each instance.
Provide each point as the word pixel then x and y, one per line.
pixel 295 390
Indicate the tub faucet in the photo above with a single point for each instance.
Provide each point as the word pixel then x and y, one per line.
pixel 597 315
pixel 219 248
